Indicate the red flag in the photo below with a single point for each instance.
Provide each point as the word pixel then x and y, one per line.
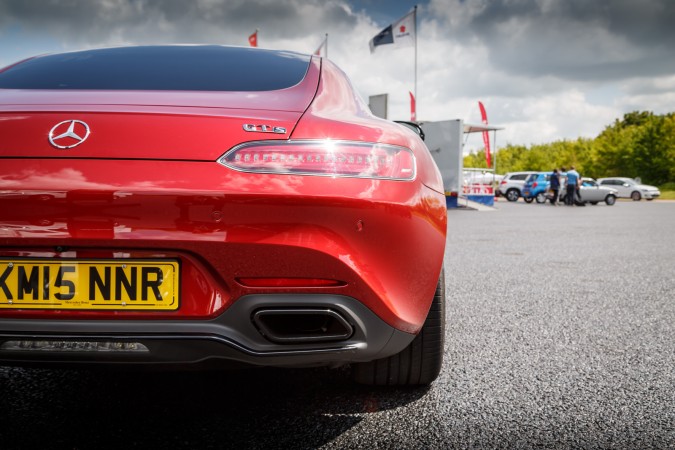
pixel 253 39
pixel 486 135
pixel 413 111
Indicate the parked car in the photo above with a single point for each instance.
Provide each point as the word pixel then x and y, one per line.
pixel 535 187
pixel 630 188
pixel 207 204
pixel 592 193
pixel 512 184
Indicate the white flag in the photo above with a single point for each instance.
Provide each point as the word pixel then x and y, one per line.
pixel 400 33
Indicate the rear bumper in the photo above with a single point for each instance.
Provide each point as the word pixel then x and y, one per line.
pixel 232 337
pixel 381 241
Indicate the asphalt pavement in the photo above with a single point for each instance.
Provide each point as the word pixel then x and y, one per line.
pixel 560 334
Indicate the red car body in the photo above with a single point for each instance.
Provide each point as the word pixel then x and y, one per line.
pixel 359 256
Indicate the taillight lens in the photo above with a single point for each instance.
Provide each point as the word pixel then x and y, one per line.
pixel 324 158
pixel 534 185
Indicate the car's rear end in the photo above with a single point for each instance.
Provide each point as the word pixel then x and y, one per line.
pixel 511 185
pixel 536 187
pixel 158 218
pixel 530 187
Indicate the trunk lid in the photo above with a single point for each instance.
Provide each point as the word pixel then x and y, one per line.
pixel 169 125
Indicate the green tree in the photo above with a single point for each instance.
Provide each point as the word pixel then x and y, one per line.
pixel 640 145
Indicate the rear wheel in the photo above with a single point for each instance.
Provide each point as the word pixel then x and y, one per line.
pixel 512 195
pixel 636 196
pixel 420 362
pixel 528 199
pixel 610 199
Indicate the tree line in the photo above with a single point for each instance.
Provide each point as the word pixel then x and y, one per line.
pixel 641 144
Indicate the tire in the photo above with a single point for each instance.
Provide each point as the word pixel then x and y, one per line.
pixel 528 199
pixel 420 362
pixel 593 203
pixel 512 195
pixel 636 196
pixel 610 199
pixel 540 198
pixel 649 199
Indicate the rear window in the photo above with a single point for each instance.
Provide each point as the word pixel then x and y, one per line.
pixel 161 68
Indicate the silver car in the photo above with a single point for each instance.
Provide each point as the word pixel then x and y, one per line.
pixel 630 188
pixel 592 193
pixel 589 192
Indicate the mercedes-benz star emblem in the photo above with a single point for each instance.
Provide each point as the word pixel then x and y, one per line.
pixel 68 134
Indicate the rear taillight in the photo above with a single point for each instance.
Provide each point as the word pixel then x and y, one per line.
pixel 324 158
pixel 503 182
pixel 534 185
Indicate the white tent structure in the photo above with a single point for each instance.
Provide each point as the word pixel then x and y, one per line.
pixel 445 140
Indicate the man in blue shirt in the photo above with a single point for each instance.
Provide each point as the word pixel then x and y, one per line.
pixel 572 181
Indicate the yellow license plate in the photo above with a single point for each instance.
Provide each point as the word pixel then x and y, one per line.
pixel 89 284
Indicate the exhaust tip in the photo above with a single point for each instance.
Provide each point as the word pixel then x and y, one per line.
pixel 306 325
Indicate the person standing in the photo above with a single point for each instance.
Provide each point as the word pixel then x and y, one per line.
pixel 572 180
pixel 555 186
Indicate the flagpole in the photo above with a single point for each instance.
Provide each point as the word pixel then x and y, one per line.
pixel 416 104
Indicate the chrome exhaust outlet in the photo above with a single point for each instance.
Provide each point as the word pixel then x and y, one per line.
pixel 306 325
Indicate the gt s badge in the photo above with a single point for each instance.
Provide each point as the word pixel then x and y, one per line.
pixel 264 129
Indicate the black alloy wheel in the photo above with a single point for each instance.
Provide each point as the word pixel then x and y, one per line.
pixel 512 195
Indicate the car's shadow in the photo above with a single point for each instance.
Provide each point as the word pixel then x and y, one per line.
pixel 270 408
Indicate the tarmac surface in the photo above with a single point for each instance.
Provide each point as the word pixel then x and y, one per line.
pixel 560 334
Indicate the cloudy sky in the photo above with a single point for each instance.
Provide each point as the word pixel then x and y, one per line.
pixel 544 69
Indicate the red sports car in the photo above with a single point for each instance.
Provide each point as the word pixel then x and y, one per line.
pixel 195 204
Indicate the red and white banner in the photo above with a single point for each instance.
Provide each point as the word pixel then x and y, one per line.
pixel 253 39
pixel 477 189
pixel 413 107
pixel 486 135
